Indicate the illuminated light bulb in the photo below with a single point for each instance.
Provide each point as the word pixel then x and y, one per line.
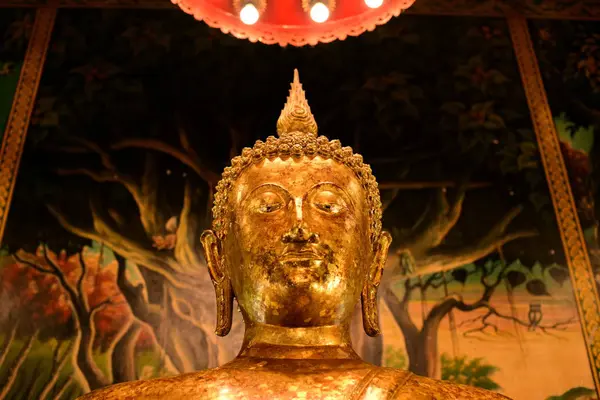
pixel 249 14
pixel 373 3
pixel 319 12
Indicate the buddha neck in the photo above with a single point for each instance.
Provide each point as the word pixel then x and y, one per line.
pixel 321 342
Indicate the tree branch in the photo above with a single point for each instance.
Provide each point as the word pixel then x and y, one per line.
pixel 129 249
pixel 56 271
pixel 100 306
pixel 32 264
pixel 79 307
pixel 144 196
pixel 105 158
pixel 152 220
pixel 387 201
pixel 80 280
pixel 186 248
pixel 418 185
pixel 440 259
pixel 185 158
pixel 149 313
pixel 492 311
pixel 430 232
pixel 105 176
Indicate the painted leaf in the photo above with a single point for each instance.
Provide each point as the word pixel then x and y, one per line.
pixel 453 107
pixel 560 275
pixel 375 83
pixel 401 94
pixel 564 127
pixel 515 278
pixel 537 287
pixel 497 120
pixel 416 92
pixel 539 200
pixel 460 275
pixel 49 119
pixel 583 139
pixel 498 77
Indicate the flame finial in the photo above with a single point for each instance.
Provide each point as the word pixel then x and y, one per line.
pixel 296 115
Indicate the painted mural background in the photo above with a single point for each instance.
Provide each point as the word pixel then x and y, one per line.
pixel 15 28
pixel 102 279
pixel 572 79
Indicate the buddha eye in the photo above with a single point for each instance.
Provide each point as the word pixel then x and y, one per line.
pixel 330 208
pixel 329 202
pixel 267 202
pixel 268 208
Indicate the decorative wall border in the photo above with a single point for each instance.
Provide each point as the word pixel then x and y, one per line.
pixel 576 254
pixel 578 261
pixel 546 9
pixel 22 107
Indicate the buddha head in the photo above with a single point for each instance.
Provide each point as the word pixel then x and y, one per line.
pixel 296 235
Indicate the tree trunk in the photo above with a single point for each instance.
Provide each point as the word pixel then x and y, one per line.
pixel 421 345
pixel 368 348
pixel 185 343
pixel 373 349
pixel 418 360
pixel 123 355
pixel 84 357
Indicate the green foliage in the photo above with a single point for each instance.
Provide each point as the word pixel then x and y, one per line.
pixel 479 76
pixel 538 279
pixel 15 27
pixel 577 393
pixel 395 358
pixel 578 137
pixel 8 85
pixel 474 372
pixel 35 371
pixel 520 153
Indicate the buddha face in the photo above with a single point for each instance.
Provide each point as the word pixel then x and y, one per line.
pixel 298 250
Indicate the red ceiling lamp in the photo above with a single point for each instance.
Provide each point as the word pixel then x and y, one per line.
pixel 294 22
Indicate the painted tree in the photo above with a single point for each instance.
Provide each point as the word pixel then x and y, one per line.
pixel 59 291
pixel 168 253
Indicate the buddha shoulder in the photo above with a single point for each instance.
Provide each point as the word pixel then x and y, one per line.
pixel 188 386
pixel 420 388
pixel 380 384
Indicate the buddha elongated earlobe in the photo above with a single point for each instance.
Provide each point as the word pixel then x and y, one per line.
pixel 370 312
pixel 220 281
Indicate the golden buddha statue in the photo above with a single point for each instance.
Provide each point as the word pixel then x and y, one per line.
pixel 296 240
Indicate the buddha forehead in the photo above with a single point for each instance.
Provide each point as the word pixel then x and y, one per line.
pixel 297 176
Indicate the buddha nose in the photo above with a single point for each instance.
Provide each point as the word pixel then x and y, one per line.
pixel 300 233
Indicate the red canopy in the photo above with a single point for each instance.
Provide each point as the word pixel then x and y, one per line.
pixel 286 22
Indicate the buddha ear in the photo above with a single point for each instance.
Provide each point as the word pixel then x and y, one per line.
pixel 382 247
pixel 212 251
pixel 370 312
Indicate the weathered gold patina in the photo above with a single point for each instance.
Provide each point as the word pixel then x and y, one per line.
pixel 297 241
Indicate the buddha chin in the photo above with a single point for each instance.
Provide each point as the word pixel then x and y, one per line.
pixel 320 294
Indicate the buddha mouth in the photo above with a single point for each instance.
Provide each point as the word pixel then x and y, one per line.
pixel 299 254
